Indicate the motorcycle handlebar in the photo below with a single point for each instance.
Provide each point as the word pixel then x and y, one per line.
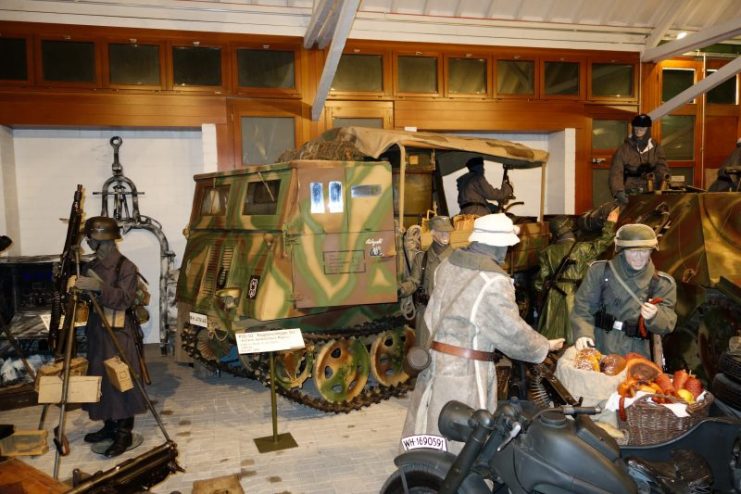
pixel 572 410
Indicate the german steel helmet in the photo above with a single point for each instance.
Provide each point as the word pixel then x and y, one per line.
pixel 441 224
pixel 635 236
pixel 560 225
pixel 102 228
pixel 641 120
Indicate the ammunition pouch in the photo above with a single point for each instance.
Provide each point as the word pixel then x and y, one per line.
pixel 606 322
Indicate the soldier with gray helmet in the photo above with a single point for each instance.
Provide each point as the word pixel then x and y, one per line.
pixel 112 279
pixel 562 267
pixel 606 311
pixel 472 312
pixel 639 163
pixel 475 192
pixel 421 280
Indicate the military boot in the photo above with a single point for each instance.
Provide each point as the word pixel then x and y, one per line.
pixel 107 432
pixel 122 439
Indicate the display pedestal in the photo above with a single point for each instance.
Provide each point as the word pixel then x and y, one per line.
pixel 276 442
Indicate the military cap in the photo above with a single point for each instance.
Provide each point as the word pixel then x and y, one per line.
pixel 102 228
pixel 495 229
pixel 441 224
pixel 641 120
pixel 635 236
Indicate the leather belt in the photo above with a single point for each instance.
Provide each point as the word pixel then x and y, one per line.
pixel 467 353
pixel 469 204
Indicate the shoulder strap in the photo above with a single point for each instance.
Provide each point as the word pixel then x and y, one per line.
pixel 119 263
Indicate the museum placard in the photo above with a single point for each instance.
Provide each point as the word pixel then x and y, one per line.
pixel 269 341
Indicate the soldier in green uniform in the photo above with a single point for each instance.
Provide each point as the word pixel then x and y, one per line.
pixel 421 280
pixel 606 313
pixel 562 267
pixel 635 159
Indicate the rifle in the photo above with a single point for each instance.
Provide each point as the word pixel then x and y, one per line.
pixel 135 475
pixel 69 265
pixel 550 282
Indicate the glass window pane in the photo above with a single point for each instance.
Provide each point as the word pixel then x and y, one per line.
pixel 725 93
pixel 214 201
pixel 467 75
pixel 261 198
pixel 417 74
pixel 678 137
pixel 374 123
pixel 515 77
pixel 612 80
pixel 266 138
pixel 317 197
pixel 13 56
pixel 674 81
pixel 359 73
pixel 608 134
pixel 134 64
pixel 335 197
pixel 68 61
pixel 266 68
pixel 196 66
pixel 562 78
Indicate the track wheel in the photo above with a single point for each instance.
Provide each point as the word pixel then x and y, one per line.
pixel 341 370
pixel 293 368
pixel 387 355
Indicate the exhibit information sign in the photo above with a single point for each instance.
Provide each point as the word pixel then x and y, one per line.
pixel 269 341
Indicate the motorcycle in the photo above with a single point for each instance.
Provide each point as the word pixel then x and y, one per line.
pixel 531 446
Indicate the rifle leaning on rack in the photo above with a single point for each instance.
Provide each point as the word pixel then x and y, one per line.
pixel 69 265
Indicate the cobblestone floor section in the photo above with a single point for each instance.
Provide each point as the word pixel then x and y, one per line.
pixel 214 421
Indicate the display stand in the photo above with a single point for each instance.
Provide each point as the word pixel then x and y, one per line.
pixel 272 341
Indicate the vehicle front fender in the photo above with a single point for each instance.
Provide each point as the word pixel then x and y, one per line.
pixel 441 462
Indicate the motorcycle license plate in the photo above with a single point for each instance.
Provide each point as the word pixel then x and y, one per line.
pixel 424 441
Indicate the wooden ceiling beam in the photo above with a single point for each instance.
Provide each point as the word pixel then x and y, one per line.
pixel 706 37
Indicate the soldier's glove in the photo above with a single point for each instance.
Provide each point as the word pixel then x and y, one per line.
pixel 583 343
pixel 621 197
pixel 88 283
pixel 555 345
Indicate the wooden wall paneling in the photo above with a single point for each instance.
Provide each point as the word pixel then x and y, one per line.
pixel 720 139
pixel 359 109
pixel 650 89
pixel 225 155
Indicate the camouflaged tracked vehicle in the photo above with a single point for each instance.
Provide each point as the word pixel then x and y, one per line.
pixel 700 246
pixel 312 242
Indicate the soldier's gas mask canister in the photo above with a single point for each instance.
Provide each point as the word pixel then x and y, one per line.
pixel 637 241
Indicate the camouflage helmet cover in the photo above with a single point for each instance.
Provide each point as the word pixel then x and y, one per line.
pixel 102 228
pixel 560 225
pixel 635 236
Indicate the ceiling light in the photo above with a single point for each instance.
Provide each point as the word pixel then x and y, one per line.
pixel 681 34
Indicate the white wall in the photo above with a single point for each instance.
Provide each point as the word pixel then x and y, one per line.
pixel 9 224
pixel 527 183
pixel 51 162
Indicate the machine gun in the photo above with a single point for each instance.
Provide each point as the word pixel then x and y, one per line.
pixel 69 265
pixel 135 475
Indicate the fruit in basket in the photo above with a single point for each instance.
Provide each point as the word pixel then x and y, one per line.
pixel 680 378
pixel 646 388
pixel 686 395
pixel 664 382
pixel 638 371
pixel 694 386
pixel 612 364
pixel 588 359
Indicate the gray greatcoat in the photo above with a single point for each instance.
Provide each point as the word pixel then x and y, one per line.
pixel 472 306
pixel 600 288
pixel 118 294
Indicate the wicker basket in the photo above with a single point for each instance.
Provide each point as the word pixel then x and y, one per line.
pixel 650 423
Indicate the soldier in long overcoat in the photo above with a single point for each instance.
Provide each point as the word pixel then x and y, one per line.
pixel 605 314
pixel 113 280
pixel 575 257
pixel 637 157
pixel 472 312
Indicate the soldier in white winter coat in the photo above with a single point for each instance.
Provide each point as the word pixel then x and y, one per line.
pixel 472 312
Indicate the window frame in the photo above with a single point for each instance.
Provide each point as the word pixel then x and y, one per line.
pixel 616 60
pixel 686 65
pixel 267 45
pixel 30 67
pixel 488 91
pixel 142 41
pixel 581 61
pixel 197 43
pixel 386 78
pixel 718 108
pixel 423 54
pixel 518 57
pixel 39 68
pixel 359 109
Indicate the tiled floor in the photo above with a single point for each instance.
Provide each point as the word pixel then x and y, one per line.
pixel 214 420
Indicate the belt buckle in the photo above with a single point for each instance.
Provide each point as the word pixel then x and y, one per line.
pixel 617 325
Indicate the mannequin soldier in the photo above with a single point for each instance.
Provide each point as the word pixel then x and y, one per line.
pixel 474 191
pixel 728 175
pixel 606 315
pixel 637 160
pixel 422 278
pixel 562 267
pixel 472 312
pixel 113 280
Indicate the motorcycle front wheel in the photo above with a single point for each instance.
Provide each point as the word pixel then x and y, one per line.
pixel 415 478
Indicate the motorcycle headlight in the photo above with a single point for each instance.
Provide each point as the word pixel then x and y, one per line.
pixel 455 421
